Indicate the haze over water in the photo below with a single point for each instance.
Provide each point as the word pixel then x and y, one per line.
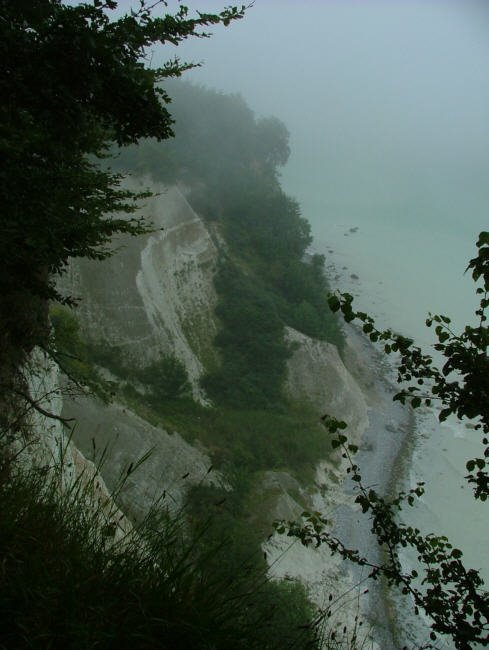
pixel 388 108
pixel 387 104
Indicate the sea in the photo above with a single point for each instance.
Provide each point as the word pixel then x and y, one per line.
pixel 403 255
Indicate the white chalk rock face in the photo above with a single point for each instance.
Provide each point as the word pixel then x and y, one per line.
pixel 121 438
pixel 316 374
pixel 44 445
pixel 155 295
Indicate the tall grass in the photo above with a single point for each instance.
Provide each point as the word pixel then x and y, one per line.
pixel 66 583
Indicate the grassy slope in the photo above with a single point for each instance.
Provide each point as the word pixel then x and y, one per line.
pixel 65 585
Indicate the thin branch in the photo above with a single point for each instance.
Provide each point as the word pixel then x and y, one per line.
pixel 35 405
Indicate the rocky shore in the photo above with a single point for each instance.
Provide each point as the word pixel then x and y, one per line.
pixel 334 584
pixel 383 460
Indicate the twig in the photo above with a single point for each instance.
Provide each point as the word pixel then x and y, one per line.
pixel 42 411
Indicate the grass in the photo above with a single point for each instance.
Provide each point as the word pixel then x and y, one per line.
pixel 290 439
pixel 218 595
pixel 65 583
pixel 253 440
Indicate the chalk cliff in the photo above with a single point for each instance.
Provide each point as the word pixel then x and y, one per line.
pixel 43 445
pixel 317 374
pixel 156 295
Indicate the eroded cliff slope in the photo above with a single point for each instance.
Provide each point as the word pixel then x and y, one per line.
pixel 155 295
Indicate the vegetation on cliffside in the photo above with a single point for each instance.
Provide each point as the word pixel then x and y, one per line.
pixel 253 427
pixel 266 279
pixel 74 81
pixel 66 583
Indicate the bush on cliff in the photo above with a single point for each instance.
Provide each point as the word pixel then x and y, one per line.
pixel 166 378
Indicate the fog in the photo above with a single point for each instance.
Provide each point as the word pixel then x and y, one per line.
pixel 387 104
pixel 360 83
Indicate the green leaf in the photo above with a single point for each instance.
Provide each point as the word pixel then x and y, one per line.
pixel 444 414
pixel 334 303
pixel 483 239
pixel 443 336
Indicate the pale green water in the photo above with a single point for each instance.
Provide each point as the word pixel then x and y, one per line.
pixel 387 103
pixel 416 233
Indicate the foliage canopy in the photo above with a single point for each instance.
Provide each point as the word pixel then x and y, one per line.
pixel 72 81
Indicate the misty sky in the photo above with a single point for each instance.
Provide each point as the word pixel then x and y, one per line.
pixel 371 91
pixel 387 104
pixel 361 82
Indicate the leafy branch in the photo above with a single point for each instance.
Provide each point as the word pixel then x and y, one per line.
pixel 461 386
pixel 443 588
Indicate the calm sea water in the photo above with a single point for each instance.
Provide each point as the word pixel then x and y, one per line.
pixel 402 252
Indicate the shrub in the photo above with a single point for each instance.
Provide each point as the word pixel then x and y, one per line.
pixel 167 378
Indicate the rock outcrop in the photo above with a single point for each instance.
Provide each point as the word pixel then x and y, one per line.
pixel 155 296
pixel 118 438
pixel 316 374
pixel 44 446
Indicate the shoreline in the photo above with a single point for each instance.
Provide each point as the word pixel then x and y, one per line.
pixel 381 444
pixel 387 446
pixel 384 458
pixel 435 453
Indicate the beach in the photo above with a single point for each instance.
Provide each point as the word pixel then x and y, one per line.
pixel 401 447
pixel 383 459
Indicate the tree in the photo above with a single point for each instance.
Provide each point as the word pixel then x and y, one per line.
pixel 167 378
pixel 272 144
pixel 72 81
pixel 449 593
